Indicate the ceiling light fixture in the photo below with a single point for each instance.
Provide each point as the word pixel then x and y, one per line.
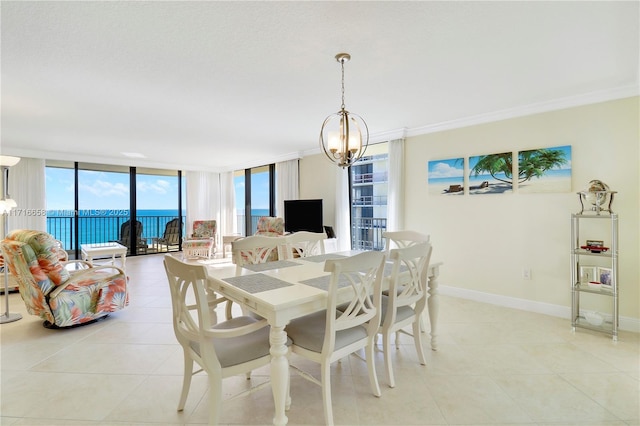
pixel 344 136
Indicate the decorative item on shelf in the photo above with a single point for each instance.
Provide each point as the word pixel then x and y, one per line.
pixel 597 197
pixel 344 136
pixel 6 204
pixel 604 277
pixel 594 318
pixel 595 246
pixel 594 285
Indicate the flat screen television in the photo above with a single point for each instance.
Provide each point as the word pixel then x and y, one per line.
pixel 303 215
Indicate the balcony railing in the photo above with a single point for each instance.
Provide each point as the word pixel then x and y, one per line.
pixel 370 200
pixel 100 229
pixel 372 177
pixel 366 233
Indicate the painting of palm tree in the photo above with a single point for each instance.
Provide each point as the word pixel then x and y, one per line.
pixel 491 174
pixel 545 170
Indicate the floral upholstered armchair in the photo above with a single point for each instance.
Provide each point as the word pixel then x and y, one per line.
pixel 202 242
pixel 58 248
pixel 61 297
pixel 270 226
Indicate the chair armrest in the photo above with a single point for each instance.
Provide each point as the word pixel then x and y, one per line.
pixel 226 333
pixel 78 262
pixel 80 274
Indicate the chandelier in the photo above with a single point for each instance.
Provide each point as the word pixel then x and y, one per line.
pixel 344 136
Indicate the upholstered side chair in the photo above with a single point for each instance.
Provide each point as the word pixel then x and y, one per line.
pixel 202 242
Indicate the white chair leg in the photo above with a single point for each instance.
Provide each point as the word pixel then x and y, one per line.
pixel 371 366
pixel 326 393
pixel 386 348
pixel 186 381
pixel 417 338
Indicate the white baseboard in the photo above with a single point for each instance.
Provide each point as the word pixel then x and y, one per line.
pixel 626 323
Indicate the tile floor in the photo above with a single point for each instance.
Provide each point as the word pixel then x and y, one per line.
pixel 494 366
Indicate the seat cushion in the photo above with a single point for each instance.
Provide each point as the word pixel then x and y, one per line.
pixel 237 350
pixel 308 332
pixel 403 312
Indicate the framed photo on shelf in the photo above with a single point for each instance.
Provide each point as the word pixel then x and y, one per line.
pixel 605 277
pixel 588 274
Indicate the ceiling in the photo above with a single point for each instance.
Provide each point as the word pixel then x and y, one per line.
pixel 224 85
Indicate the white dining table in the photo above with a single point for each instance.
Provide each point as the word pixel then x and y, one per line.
pixel 283 290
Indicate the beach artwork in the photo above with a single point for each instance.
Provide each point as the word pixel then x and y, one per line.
pixel 446 177
pixel 491 174
pixel 544 170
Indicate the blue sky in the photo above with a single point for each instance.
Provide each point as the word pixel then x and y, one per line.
pixel 109 190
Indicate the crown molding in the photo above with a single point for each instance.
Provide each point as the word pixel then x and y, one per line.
pixel 531 109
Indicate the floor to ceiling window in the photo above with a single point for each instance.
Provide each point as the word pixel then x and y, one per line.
pixel 103 202
pixel 97 203
pixel 255 193
pixel 159 196
pixel 61 195
pixel 368 182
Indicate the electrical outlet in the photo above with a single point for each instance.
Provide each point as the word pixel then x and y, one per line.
pixel 526 274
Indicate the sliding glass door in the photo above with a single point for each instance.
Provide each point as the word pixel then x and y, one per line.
pixel 97 203
pixel 255 196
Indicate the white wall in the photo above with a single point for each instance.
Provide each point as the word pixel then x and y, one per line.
pixel 487 240
pixel 318 180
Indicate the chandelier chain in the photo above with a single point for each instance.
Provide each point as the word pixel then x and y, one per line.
pixel 342 63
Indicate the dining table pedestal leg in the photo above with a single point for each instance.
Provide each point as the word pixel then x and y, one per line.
pixel 279 373
pixel 434 305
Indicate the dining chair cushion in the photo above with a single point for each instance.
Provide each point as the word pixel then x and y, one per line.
pixel 237 350
pixel 402 312
pixel 308 332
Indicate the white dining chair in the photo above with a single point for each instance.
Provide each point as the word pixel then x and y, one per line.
pixel 230 348
pixel 401 239
pixel 406 299
pixel 329 335
pixel 304 244
pixel 256 249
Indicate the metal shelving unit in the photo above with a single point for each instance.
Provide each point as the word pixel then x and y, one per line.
pixel 611 260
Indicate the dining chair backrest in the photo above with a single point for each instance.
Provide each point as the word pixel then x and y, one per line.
pixel 187 280
pixel 363 273
pixel 401 239
pixel 256 249
pixel 408 279
pixel 304 244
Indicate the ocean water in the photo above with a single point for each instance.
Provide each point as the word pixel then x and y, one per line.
pixel 103 225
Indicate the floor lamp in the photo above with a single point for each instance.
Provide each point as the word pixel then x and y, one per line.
pixel 6 204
